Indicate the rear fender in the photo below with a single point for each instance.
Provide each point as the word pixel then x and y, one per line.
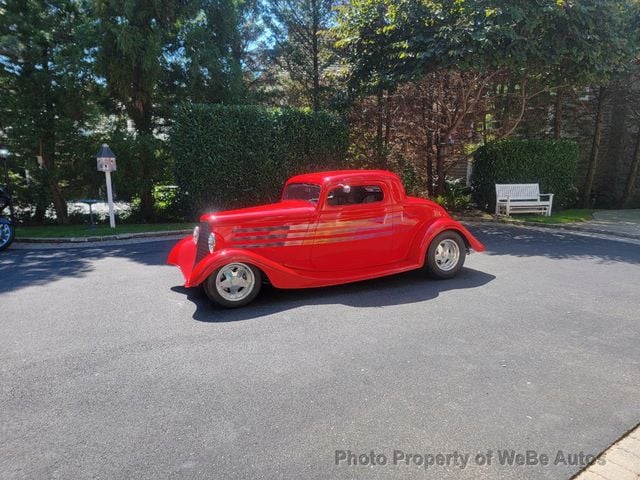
pixel 426 235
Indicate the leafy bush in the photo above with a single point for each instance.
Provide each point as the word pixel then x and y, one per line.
pixel 457 197
pixel 550 163
pixel 233 156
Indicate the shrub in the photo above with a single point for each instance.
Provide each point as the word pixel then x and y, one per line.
pixel 457 197
pixel 550 163
pixel 233 156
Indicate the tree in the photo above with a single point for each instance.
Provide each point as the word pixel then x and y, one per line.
pixel 596 40
pixel 134 36
pixel 47 89
pixel 514 44
pixel 462 49
pixel 634 171
pixel 368 40
pixel 210 49
pixel 301 47
pixel 633 99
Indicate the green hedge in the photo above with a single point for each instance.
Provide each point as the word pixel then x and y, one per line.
pixel 234 156
pixel 550 163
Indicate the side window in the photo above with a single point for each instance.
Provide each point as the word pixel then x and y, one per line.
pixel 356 195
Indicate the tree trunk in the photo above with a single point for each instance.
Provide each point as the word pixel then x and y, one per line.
pixel 146 191
pixel 595 147
pixel 387 121
pixel 440 156
pixel 429 150
pixel 141 112
pixel 38 214
pixel 379 121
pixel 505 113
pixel 633 174
pixel 59 203
pixel 557 115
pixel 146 202
pixel 48 141
pixel 316 62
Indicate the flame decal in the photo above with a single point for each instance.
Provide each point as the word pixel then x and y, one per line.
pixel 335 231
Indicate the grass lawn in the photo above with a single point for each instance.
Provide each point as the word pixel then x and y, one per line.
pixel 100 230
pixel 562 216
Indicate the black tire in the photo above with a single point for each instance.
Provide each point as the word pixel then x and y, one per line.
pixel 5 240
pixel 434 263
pixel 210 285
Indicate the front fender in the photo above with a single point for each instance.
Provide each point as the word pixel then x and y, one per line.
pixel 279 275
pixel 184 253
pixel 426 235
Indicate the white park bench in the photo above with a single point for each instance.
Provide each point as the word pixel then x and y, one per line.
pixel 522 198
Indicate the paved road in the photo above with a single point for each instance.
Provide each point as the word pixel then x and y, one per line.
pixel 621 221
pixel 111 370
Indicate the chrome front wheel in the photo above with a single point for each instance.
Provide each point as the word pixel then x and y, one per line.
pixel 233 285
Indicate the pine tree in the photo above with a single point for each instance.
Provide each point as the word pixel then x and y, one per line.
pixel 47 88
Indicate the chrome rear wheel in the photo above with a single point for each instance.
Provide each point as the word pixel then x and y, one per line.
pixel 446 255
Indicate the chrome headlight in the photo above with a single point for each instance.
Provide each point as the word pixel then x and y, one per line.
pixel 196 234
pixel 211 242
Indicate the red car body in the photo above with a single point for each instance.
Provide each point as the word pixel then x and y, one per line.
pixel 321 241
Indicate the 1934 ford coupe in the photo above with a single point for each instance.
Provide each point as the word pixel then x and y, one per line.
pixel 329 228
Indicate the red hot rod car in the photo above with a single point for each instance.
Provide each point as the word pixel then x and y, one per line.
pixel 329 228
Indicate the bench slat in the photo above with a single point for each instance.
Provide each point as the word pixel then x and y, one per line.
pixel 524 191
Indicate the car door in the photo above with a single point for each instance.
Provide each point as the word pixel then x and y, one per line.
pixel 355 227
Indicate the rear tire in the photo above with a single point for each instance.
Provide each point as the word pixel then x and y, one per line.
pixel 446 255
pixel 233 285
pixel 7 234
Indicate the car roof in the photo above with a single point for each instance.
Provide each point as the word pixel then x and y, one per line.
pixel 332 176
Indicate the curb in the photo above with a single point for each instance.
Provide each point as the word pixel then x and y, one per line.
pixel 104 238
pixel 619 460
pixel 552 226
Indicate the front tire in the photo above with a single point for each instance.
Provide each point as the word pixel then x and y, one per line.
pixel 7 234
pixel 446 255
pixel 233 285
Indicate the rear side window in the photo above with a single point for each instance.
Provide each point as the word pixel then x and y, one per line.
pixel 357 195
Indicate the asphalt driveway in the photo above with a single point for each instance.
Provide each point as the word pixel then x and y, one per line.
pixel 110 369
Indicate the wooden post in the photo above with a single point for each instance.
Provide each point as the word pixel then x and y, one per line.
pixel 112 219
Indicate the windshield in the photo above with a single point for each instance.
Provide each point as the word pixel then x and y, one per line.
pixel 302 191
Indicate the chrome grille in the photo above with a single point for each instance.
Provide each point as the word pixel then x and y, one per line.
pixel 202 247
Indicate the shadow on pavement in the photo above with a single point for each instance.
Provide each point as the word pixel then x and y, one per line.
pixel 410 287
pixel 525 242
pixel 24 268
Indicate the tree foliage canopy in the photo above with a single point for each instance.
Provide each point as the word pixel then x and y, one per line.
pixel 423 83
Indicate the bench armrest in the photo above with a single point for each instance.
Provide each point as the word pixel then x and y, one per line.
pixel 549 195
